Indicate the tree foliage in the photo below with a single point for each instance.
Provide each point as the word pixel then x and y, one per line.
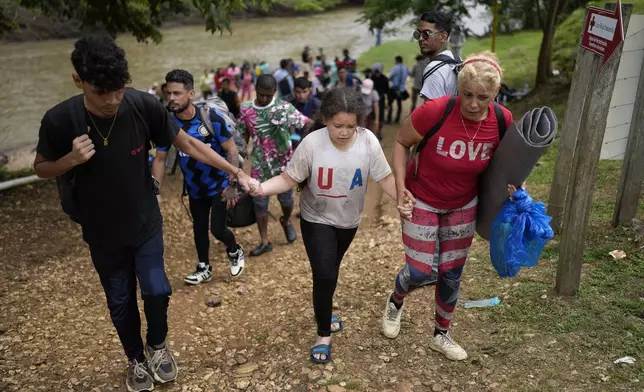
pixel 140 17
pixel 377 13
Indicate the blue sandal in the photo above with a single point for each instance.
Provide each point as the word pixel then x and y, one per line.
pixel 336 320
pixel 321 349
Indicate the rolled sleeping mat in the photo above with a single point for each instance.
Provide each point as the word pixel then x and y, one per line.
pixel 518 153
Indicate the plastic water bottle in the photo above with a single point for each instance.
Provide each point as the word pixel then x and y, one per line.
pixel 482 303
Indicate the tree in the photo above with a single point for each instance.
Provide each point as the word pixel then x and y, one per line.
pixel 140 17
pixel 377 13
pixel 554 11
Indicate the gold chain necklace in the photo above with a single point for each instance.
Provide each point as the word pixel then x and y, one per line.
pixel 99 132
pixel 468 134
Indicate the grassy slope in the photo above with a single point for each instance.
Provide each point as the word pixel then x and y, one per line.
pixel 606 320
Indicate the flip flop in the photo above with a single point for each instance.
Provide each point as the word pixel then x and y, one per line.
pixel 321 349
pixel 335 319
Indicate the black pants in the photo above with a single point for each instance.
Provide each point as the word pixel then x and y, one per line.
pixel 382 104
pixel 394 96
pixel 415 94
pixel 325 246
pixel 118 271
pixel 210 210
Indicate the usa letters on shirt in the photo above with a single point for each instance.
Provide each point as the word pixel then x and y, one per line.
pixel 325 181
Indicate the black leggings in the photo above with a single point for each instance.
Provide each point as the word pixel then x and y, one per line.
pixel 325 246
pixel 215 209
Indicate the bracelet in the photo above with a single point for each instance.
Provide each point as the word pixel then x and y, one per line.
pixel 236 173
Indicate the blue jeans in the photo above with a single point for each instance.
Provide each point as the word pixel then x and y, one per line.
pixel 119 271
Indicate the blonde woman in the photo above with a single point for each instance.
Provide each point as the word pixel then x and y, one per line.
pixel 444 183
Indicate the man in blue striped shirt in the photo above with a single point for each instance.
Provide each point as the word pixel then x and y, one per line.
pixel 204 184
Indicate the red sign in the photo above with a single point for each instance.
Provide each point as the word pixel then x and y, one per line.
pixel 603 31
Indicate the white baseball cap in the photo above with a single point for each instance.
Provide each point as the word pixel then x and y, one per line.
pixel 367 86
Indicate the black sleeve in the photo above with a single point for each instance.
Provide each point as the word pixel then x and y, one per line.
pixel 52 144
pixel 163 129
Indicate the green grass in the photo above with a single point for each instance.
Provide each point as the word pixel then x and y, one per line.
pixel 6 175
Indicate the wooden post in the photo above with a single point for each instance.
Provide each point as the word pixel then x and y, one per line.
pixel 576 110
pixel 578 198
pixel 630 184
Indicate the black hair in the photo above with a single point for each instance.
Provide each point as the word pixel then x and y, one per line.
pixel 181 76
pixel 440 19
pixel 342 100
pixel 302 83
pixel 419 57
pixel 284 63
pixel 266 82
pixel 99 61
pixel 399 59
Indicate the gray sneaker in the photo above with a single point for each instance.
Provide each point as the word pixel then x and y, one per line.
pixel 162 364
pixel 138 377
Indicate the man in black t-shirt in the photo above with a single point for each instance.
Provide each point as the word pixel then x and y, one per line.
pixel 102 138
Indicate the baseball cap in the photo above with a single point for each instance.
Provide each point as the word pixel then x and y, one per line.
pixel 367 86
pixel 377 67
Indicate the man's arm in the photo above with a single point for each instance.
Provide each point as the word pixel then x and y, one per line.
pixel 158 165
pixel 82 151
pixel 231 149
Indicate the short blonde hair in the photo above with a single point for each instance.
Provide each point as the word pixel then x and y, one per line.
pixel 481 68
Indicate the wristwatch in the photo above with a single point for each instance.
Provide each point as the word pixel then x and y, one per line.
pixel 156 186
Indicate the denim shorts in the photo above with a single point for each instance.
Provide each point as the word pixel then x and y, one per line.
pixel 286 199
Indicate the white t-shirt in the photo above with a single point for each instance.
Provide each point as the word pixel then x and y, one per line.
pixel 442 82
pixel 336 181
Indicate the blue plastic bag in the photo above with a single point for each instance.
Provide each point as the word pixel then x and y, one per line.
pixel 519 233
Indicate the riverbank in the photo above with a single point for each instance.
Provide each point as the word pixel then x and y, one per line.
pixel 35 26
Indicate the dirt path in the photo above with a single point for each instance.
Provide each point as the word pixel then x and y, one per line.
pixel 56 335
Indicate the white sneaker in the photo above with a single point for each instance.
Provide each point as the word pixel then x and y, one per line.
pixel 203 273
pixel 443 343
pixel 236 261
pixel 391 319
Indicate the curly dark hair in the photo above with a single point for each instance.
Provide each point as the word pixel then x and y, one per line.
pixel 440 19
pixel 181 76
pixel 342 100
pixel 99 61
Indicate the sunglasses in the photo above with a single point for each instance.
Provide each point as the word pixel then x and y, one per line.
pixel 425 34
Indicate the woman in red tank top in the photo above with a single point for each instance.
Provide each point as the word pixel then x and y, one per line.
pixel 445 187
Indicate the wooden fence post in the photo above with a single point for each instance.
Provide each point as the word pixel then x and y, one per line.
pixel 630 184
pixel 578 199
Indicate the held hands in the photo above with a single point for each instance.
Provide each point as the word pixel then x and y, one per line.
pixel 82 150
pixel 256 189
pixel 406 202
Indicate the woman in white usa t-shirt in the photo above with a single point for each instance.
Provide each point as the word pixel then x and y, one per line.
pixel 333 166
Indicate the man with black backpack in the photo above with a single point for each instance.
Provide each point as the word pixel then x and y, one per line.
pixel 440 75
pixel 285 81
pixel 209 190
pixel 96 144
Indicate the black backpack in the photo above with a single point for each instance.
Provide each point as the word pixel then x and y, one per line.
pixel 284 88
pixel 415 154
pixel 66 183
pixel 443 60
